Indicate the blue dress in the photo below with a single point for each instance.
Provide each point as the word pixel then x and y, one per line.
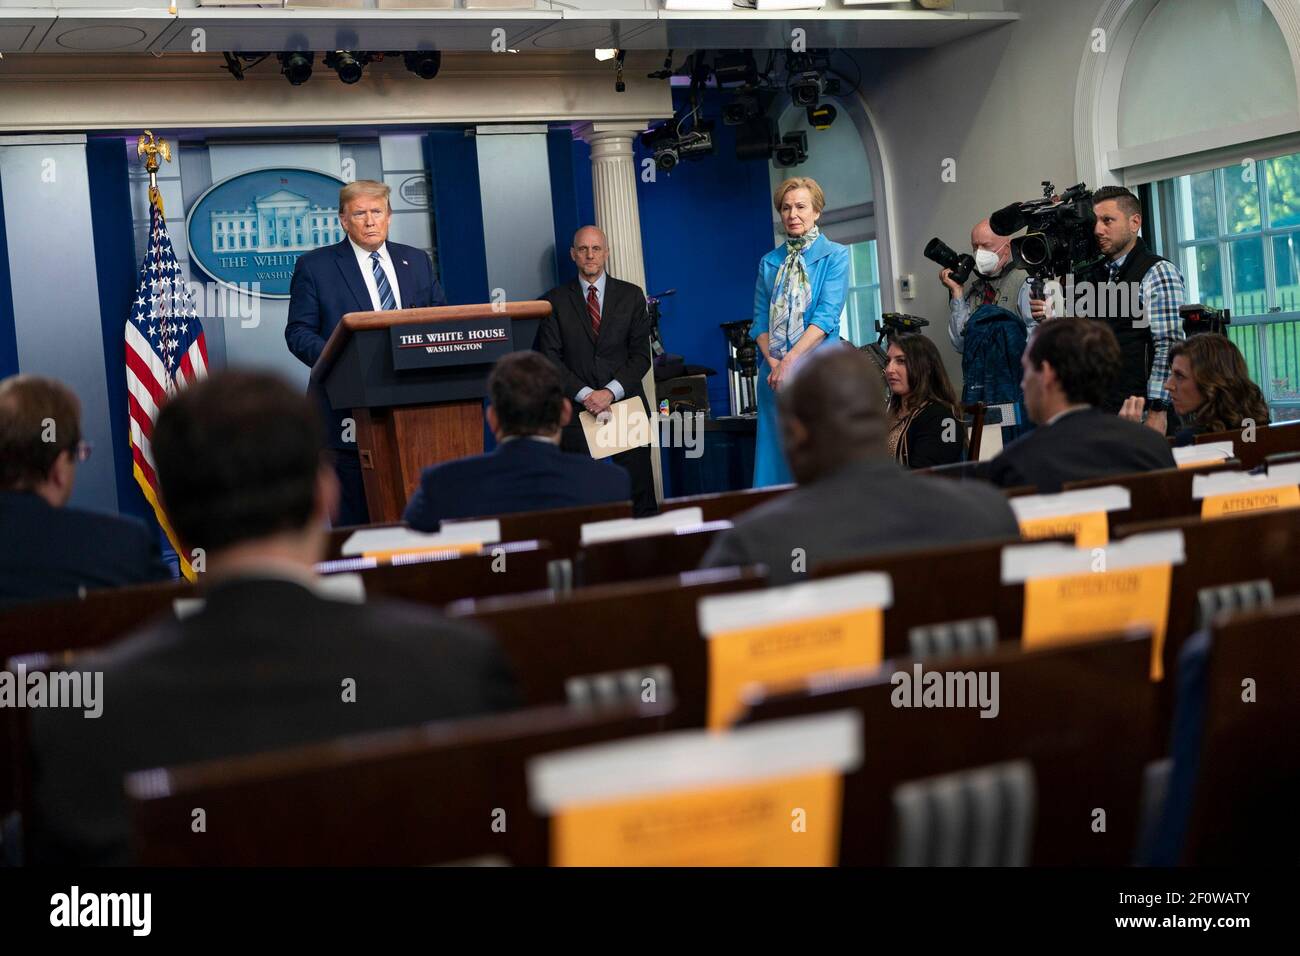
pixel 827 263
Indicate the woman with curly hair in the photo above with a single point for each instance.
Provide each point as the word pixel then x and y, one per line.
pixel 1210 388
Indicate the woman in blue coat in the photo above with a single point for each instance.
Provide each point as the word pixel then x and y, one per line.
pixel 798 298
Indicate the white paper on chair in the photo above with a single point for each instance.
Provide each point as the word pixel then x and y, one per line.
pixel 620 528
pixel 627 427
pixel 398 538
pixel 1196 454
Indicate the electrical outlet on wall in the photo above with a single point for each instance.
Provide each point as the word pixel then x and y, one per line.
pixel 907 286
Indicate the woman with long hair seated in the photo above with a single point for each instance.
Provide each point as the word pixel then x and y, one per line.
pixel 1210 388
pixel 925 426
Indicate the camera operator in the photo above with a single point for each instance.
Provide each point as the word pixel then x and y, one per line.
pixel 1138 295
pixel 992 284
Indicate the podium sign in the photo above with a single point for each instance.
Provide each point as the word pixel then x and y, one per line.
pixel 415 380
pixel 476 341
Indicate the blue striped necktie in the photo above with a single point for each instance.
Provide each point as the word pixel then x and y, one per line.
pixel 386 300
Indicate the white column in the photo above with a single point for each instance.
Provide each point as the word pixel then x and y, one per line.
pixel 613 185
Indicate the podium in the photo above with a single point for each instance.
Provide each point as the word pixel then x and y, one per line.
pixel 415 380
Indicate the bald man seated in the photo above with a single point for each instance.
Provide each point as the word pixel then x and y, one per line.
pixel 852 499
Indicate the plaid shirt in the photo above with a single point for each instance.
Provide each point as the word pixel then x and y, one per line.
pixel 1160 295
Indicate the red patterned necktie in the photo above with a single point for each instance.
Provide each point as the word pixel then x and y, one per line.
pixel 593 309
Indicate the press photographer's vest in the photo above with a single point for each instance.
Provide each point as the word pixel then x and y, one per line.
pixel 1006 290
pixel 1129 324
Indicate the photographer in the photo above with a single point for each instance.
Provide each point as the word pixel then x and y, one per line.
pixel 992 284
pixel 1137 294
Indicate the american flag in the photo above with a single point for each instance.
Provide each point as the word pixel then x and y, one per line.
pixel 165 351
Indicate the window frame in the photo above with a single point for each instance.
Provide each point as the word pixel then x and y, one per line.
pixel 1170 243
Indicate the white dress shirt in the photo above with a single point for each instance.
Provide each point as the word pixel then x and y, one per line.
pixel 613 384
pixel 368 274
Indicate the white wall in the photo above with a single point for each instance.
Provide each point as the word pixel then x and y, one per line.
pixel 1001 104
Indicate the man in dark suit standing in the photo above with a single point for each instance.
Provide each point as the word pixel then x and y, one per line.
pixel 48 550
pixel 598 333
pixel 275 658
pixel 527 471
pixel 1070 365
pixel 852 499
pixel 363 273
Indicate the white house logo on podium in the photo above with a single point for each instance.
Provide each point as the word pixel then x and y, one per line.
pixel 248 231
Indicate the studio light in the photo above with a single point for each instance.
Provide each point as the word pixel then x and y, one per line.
pixel 755 139
pixel 670 148
pixel 347 64
pixel 604 55
pixel 821 116
pixel 424 64
pixel 806 78
pixel 735 69
pixel 791 151
pixel 742 109
pixel 296 67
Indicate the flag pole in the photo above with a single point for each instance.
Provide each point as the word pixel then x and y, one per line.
pixel 150 147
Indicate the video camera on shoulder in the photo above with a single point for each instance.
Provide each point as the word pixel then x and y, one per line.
pixel 1199 318
pixel 1059 238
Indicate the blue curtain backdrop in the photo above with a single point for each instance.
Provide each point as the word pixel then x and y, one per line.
pixel 704 226
pixel 8 332
pixel 116 272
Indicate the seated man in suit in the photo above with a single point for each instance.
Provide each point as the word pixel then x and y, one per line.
pixel 852 499
pixel 527 471
pixel 1069 366
pixel 276 657
pixel 363 273
pixel 48 550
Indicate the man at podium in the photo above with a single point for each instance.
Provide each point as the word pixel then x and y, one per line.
pixel 598 334
pixel 363 273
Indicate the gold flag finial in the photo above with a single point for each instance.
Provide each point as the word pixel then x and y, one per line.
pixel 151 148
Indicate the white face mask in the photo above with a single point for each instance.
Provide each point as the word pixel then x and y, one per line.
pixel 986 263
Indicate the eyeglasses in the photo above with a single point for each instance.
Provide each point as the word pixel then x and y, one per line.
pixel 82 450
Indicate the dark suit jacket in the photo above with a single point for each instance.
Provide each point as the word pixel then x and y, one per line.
pixel 868 507
pixel 1089 443
pixel 48 553
pixel 522 474
pixel 261 667
pixel 926 447
pixel 623 349
pixel 327 284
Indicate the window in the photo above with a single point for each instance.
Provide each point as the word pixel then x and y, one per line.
pixel 1235 234
pixel 863 305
